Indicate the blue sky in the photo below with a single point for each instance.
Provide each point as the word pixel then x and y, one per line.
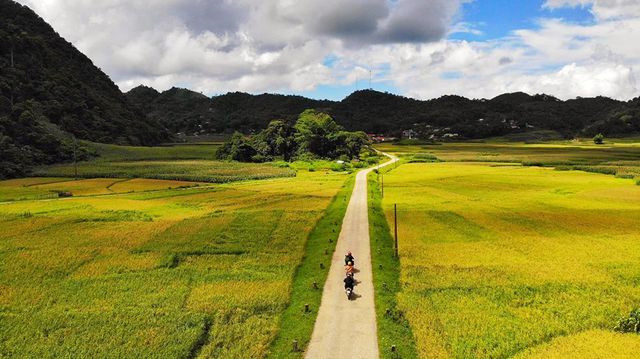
pixel 493 20
pixel 498 18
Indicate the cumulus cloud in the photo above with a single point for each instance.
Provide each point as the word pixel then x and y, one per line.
pixel 215 46
pixel 271 45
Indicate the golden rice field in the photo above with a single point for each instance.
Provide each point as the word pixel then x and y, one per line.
pixel 134 269
pixel 548 153
pixel 49 187
pixel 500 260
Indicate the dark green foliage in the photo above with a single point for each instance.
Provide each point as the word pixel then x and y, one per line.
pixel 372 111
pixel 48 89
pixel 189 112
pixel 277 140
pixel 238 148
pixel 630 324
pixel 423 158
pixel 598 139
pixel 314 135
pixel 27 138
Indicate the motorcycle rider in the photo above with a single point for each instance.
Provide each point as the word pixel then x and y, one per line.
pixel 349 268
pixel 349 282
pixel 348 258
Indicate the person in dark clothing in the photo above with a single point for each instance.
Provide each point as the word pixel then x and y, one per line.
pixel 348 258
pixel 349 282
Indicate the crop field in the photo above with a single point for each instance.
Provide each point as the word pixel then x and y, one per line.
pixel 612 156
pixel 202 271
pixel 501 260
pixel 178 170
pixel 185 151
pixel 47 187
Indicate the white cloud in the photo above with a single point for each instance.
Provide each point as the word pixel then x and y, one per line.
pixel 271 45
pixel 281 46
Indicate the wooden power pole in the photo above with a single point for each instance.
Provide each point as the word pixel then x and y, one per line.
pixel 75 157
pixel 395 225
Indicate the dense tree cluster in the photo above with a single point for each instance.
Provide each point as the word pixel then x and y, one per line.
pixel 189 112
pixel 49 90
pixel 314 134
pixel 46 144
pixel 193 113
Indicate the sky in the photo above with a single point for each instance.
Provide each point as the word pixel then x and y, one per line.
pixel 327 49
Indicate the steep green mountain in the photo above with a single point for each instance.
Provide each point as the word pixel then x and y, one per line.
pixel 49 91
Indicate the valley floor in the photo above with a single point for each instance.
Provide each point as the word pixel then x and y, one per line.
pixel 500 260
pixel 150 268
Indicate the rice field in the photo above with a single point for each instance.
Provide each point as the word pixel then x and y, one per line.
pixel 50 187
pixel 501 260
pixel 170 152
pixel 134 269
pixel 174 170
pixel 548 153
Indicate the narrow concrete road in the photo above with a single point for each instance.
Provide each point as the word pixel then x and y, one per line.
pixel 347 329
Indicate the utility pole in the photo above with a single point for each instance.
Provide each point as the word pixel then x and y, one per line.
pixel 75 157
pixel 395 225
pixel 370 75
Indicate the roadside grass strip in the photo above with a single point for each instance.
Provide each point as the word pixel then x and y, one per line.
pixel 296 324
pixel 394 330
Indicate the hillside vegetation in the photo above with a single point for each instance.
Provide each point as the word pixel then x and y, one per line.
pixel 189 112
pixel 50 91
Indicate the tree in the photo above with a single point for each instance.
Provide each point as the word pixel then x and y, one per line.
pixel 316 133
pixel 236 149
pixel 350 144
pixel 275 141
pixel 598 139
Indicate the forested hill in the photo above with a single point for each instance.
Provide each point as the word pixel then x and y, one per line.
pixel 185 111
pixel 49 90
pixel 189 112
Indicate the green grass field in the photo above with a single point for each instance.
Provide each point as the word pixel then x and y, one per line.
pixel 185 272
pixel 172 152
pixel 176 170
pixel 619 157
pixel 500 260
pixel 183 162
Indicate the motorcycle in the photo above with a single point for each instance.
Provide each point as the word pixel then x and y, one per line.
pixel 349 283
pixel 349 292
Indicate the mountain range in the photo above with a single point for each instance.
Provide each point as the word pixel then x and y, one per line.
pixel 188 112
pixel 51 94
